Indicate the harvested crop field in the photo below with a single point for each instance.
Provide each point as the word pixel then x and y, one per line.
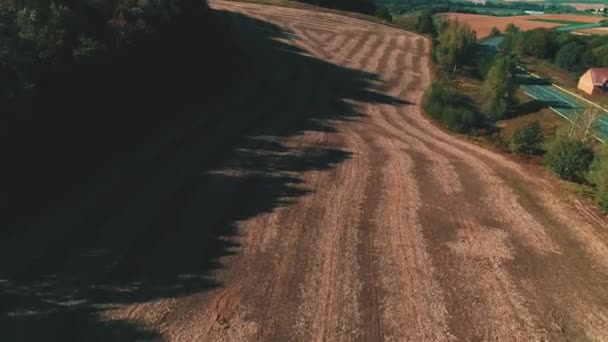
pixel 316 203
pixel 564 17
pixel 483 24
pixel 561 22
pixel 599 30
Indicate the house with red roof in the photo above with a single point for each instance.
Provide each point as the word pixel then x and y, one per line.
pixel 594 81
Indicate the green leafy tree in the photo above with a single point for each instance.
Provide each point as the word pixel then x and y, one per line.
pixel 499 89
pixel 484 64
pixel 569 159
pixel 450 109
pixel 538 43
pixel 511 41
pixel 362 6
pixel 456 45
pixel 527 139
pixel 600 54
pixel 598 175
pixel 571 57
pixel 384 13
pixel 512 29
pixel 425 23
pixel 495 32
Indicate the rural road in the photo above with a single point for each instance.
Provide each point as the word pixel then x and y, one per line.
pixel 315 202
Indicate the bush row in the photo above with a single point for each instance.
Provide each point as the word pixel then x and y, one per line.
pixel 451 109
pixel 566 155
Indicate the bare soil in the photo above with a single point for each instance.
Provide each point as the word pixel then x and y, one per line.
pixel 316 203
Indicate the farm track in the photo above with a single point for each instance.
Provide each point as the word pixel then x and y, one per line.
pixel 317 203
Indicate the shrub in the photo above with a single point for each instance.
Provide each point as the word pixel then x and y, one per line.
pixel 569 159
pixel 484 64
pixel 495 32
pixel 384 13
pixel 459 119
pixel 362 6
pixel 527 139
pixel 499 88
pixel 425 23
pixel 450 109
pixel 570 57
pixel 598 175
pixel 539 43
pixel 456 44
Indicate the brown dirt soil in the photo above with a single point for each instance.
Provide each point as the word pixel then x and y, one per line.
pixel 318 204
pixel 483 24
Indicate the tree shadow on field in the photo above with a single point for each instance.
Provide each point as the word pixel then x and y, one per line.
pixel 154 220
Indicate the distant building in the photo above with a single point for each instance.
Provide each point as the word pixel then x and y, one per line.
pixel 534 12
pixel 594 81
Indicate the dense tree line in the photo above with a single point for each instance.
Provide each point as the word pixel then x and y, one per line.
pixel 425 23
pixel 454 49
pixel 45 45
pixel 573 53
pixel 361 6
pixel 384 13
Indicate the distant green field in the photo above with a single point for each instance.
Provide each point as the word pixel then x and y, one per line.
pixel 577 27
pixel 563 22
pixel 500 12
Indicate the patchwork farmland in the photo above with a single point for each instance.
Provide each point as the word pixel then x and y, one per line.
pixel 483 24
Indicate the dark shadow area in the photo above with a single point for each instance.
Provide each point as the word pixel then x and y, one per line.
pixel 85 117
pixel 486 51
pixel 361 6
pixel 528 107
pixel 124 209
pixel 525 79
